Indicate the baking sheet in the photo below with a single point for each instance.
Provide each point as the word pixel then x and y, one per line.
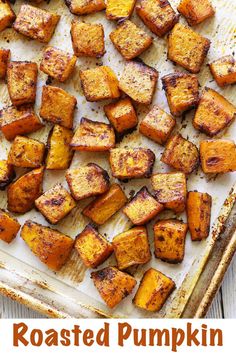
pixel 73 281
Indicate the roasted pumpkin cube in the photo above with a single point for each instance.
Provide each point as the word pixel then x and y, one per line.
pixel 93 136
pixel 57 63
pixel 57 106
pixel 87 181
pixel 87 39
pixel 51 246
pixel 4 59
pixel 182 92
pixel 121 115
pixel 119 9
pixel 218 156
pixel 158 15
pixel 59 152
pixel 26 152
pixel 224 70
pixel 142 208
pixel 214 113
pixel 139 81
pixel 187 48
pixel 153 291
pixel 157 125
pixel 7 15
pixel 131 163
pixel 130 40
pixel 22 193
pixel 85 7
pixel 7 174
pixel 22 82
pixel 170 190
pixel 113 285
pixel 199 215
pixel 196 11
pixel 36 23
pixel 106 205
pixel 18 121
pixel 132 247
pixel 169 240
pixel 92 247
pixel 181 154
pixel 9 226
pixel 99 84
pixel 55 204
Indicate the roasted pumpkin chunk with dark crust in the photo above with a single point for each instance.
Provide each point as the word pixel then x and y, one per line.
pixel 169 240
pixel 22 193
pixel 214 113
pixel 199 215
pixel 106 205
pixel 153 291
pixel 4 59
pixel 22 82
pixel 55 204
pixel 51 246
pixel 170 190
pixel 85 7
pixel 36 23
pixel 187 48
pixel 99 84
pixel 158 15
pixel 7 174
pixel 182 92
pixel 130 40
pixel 9 227
pixel 142 208
pixel 218 156
pixel 18 121
pixel 59 154
pixel 26 152
pixel 7 15
pixel 131 163
pixel 92 247
pixel 57 63
pixel 93 136
pixel 57 106
pixel 157 125
pixel 224 70
pixel 119 9
pixel 181 154
pixel 87 39
pixel 87 181
pixel 121 115
pixel 139 81
pixel 196 11
pixel 132 247
pixel 113 285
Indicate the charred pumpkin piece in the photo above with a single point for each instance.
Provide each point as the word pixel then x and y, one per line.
pixel 142 208
pixel 153 291
pixel 85 7
pixel 106 205
pixel 218 156
pixel 55 204
pixel 87 181
pixel 132 247
pixel 92 247
pixel 196 11
pixel 7 174
pixel 199 215
pixel 169 240
pixel 7 16
pixel 22 193
pixel 131 163
pixel 9 227
pixel 119 9
pixel 224 70
pixel 51 246
pixel 113 285
pixel 4 59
